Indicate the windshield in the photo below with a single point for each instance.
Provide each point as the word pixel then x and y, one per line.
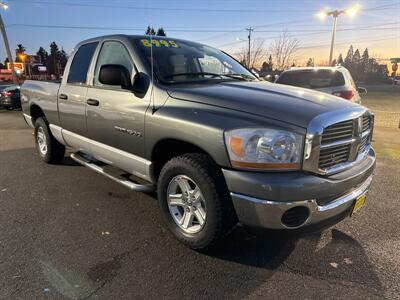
pixel 177 61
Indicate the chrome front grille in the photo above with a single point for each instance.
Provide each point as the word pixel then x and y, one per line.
pixel 366 121
pixel 337 132
pixel 344 142
pixel 333 156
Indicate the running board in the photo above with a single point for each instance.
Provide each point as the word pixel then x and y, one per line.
pixel 121 178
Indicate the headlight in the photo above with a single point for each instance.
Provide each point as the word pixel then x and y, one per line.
pixel 267 149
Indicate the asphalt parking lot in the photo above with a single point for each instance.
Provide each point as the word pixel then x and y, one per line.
pixel 68 233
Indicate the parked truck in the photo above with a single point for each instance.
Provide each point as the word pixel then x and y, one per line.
pixel 218 145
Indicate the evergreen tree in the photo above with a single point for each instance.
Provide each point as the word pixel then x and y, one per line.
pixel 43 55
pixel 356 57
pixel 264 67
pixel 349 57
pixel 150 31
pixel 63 58
pixel 334 63
pixel 356 65
pixel 161 32
pixel 340 60
pixel 310 62
pixel 365 60
pixel 53 59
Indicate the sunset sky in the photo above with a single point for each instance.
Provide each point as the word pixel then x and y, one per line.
pixel 219 23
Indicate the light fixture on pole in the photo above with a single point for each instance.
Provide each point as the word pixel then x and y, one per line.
pixel 351 12
pixel 7 45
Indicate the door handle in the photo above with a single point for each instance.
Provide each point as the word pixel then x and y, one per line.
pixel 63 97
pixel 93 102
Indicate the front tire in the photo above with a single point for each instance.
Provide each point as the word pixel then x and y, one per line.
pixel 194 200
pixel 50 150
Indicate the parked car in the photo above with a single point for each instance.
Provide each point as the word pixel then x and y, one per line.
pixel 332 80
pixel 218 145
pixel 10 97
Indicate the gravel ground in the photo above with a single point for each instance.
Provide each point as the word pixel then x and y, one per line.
pixel 68 233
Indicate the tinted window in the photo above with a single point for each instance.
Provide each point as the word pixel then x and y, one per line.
pixel 177 61
pixel 80 65
pixel 312 79
pixel 112 53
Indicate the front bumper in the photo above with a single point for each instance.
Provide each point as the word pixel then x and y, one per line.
pixel 262 199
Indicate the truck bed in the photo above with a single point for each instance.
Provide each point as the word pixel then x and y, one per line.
pixel 43 94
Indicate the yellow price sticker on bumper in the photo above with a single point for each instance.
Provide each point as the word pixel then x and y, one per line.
pixel 159 43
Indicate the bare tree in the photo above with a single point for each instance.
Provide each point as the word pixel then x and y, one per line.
pixel 258 54
pixel 284 49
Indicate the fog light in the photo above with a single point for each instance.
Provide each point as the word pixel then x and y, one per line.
pixel 295 216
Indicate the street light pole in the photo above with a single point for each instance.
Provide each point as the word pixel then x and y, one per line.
pixel 351 12
pixel 7 45
pixel 335 15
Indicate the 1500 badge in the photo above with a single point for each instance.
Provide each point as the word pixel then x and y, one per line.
pixel 128 131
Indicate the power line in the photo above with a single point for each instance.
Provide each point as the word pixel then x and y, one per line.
pixel 369 27
pixel 381 7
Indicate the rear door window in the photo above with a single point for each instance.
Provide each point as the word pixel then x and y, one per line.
pixel 81 63
pixel 312 79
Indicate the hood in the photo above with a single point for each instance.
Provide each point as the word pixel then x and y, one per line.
pixel 285 103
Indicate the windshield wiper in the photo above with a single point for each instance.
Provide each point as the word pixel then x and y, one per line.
pixel 236 76
pixel 194 74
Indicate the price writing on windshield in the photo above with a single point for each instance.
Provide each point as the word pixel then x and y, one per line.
pixel 159 43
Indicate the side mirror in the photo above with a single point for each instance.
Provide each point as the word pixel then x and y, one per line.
pixel 141 84
pixel 362 90
pixel 116 75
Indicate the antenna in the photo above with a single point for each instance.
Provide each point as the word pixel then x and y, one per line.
pixel 153 105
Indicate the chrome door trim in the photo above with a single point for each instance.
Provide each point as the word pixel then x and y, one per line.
pixel 56 131
pixel 123 160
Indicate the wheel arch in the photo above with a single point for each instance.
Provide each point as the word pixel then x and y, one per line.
pixel 35 112
pixel 168 148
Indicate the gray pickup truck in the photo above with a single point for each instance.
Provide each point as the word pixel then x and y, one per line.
pixel 220 146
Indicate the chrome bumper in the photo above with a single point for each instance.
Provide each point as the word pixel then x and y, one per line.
pixel 268 214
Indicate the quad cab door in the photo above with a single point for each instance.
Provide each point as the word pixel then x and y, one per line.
pixel 115 116
pixel 72 97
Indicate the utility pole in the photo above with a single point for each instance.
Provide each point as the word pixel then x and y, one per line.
pixel 7 45
pixel 250 30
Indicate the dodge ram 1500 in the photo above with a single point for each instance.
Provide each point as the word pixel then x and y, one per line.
pixel 218 145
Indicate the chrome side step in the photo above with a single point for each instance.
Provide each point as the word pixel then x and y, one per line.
pixel 120 176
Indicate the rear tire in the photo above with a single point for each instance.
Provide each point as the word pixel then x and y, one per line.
pixel 205 198
pixel 50 150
